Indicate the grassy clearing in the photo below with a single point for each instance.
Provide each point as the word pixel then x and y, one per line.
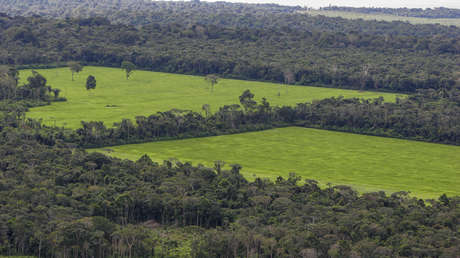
pixel 366 162
pixel 146 93
pixel 386 17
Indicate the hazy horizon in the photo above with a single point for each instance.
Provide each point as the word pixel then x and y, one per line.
pixel 358 3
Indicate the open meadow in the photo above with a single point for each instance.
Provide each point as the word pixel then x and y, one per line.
pixel 146 93
pixel 367 163
pixel 385 17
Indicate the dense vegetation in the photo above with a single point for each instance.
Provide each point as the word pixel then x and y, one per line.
pixel 35 90
pixel 234 40
pixel 58 202
pixel 434 13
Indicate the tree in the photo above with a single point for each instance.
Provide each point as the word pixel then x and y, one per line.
pixel 14 74
pixel 56 93
pixel 247 100
pixel 74 68
pixel 91 83
pixel 37 85
pixel 212 79
pixel 128 67
pixel 8 84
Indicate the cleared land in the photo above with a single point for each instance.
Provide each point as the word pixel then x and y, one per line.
pixel 386 17
pixel 146 93
pixel 367 163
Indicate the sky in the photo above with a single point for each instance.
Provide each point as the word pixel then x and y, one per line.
pixel 360 3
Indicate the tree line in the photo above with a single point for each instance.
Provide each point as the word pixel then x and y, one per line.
pixel 425 116
pixel 428 115
pixel 338 53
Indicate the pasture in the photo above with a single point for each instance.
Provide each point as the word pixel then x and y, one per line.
pixel 385 17
pixel 146 93
pixel 367 163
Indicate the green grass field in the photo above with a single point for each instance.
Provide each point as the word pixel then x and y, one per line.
pixel 146 93
pixel 385 17
pixel 367 163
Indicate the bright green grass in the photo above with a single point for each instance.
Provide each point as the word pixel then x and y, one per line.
pixel 146 93
pixel 385 17
pixel 367 163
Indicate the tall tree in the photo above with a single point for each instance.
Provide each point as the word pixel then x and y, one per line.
pixel 212 79
pixel 247 100
pixel 8 84
pixel 74 67
pixel 128 67
pixel 37 85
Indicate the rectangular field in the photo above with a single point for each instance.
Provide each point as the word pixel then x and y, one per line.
pixel 367 163
pixel 146 93
pixel 385 17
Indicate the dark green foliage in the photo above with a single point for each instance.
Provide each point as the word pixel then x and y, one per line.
pixel 247 100
pixel 59 201
pixel 36 88
pixel 91 83
pixel 74 68
pixel 55 200
pixel 243 41
pixel 212 79
pixel 128 67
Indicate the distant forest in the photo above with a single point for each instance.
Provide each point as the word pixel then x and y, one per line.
pixel 435 13
pixel 256 42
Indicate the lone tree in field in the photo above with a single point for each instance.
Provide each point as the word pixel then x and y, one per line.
pixel 74 68
pixel 128 67
pixel 91 83
pixel 212 79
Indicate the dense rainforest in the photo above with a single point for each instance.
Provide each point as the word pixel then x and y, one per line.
pixel 433 13
pixel 57 200
pixel 266 42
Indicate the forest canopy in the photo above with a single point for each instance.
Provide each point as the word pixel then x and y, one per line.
pixel 57 200
pixel 257 42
